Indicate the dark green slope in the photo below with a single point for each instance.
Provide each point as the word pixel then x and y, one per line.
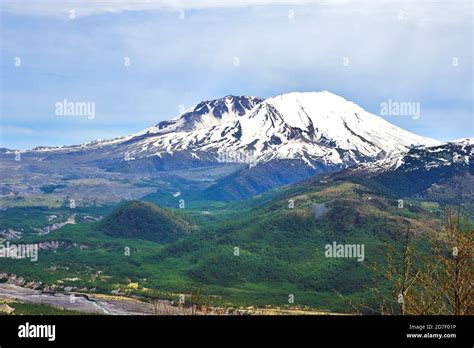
pixel 143 220
pixel 281 249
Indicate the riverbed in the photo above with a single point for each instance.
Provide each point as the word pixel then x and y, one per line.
pixel 90 303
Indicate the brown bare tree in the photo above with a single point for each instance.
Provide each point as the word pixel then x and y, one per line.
pixel 437 281
pixel 448 279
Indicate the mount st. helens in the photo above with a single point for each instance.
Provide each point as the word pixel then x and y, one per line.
pixel 268 143
pixel 318 127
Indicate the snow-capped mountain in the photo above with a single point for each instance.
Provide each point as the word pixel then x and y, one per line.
pixel 268 142
pixel 313 127
pixel 317 128
pixel 454 153
pixel 443 173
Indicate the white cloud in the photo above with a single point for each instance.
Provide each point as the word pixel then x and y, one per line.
pixel 88 7
pixel 417 8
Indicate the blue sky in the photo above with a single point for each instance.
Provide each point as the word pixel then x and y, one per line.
pixel 398 50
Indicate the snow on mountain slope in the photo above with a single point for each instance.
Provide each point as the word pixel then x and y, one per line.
pixel 325 115
pixel 454 153
pixel 318 128
pixel 206 114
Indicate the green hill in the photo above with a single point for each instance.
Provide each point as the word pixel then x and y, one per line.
pixel 143 220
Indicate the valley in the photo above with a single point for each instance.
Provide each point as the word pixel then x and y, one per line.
pixel 157 217
pixel 281 250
